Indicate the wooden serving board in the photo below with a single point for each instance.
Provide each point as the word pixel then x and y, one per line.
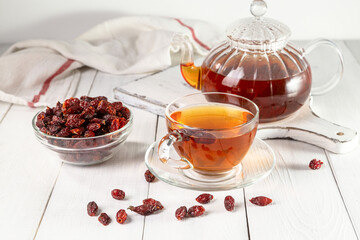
pixel 304 125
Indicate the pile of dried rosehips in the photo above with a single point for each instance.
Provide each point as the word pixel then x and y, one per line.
pixel 84 117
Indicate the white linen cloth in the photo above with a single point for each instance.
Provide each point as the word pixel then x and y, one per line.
pixel 41 72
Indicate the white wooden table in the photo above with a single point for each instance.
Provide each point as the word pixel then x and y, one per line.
pixel 42 198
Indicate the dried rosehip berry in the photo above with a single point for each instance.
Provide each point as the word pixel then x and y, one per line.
pixel 117 105
pixel 73 116
pixel 89 134
pixel 229 203
pixel 118 194
pixel 153 204
pixel 86 98
pixel 92 208
pixel 54 128
pixel 88 112
pixel 315 164
pixel 48 111
pixel 65 132
pixel 181 213
pixel 77 131
pixel 125 112
pixel 149 206
pixel 204 198
pixel 261 201
pixel 115 125
pixel 74 123
pixel 109 118
pixel 93 126
pixel 142 210
pixel 102 107
pixel 149 177
pixel 99 98
pixel 196 211
pixel 121 216
pixel 56 120
pixel 110 109
pixel 98 120
pixel 104 219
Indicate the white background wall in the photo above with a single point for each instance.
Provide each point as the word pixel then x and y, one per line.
pixel 65 19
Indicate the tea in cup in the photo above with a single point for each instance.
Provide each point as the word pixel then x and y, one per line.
pixel 211 132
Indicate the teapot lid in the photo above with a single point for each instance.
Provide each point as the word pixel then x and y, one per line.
pixel 258 33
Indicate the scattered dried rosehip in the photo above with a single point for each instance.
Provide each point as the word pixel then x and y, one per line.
pixel 118 194
pixel 104 219
pixel 196 211
pixel 92 208
pixel 261 201
pixel 152 203
pixel 149 206
pixel 149 177
pixel 121 216
pixel 229 203
pixel 141 209
pixel 315 164
pixel 204 198
pixel 181 213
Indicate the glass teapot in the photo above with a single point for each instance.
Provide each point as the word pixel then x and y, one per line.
pixel 258 62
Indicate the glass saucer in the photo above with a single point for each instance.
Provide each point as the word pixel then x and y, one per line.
pixel 256 165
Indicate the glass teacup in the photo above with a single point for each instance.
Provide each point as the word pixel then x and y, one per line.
pixel 211 132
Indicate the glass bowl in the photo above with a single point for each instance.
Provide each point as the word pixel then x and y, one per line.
pixel 84 151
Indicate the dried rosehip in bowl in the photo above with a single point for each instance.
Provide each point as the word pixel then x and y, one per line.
pixel 83 131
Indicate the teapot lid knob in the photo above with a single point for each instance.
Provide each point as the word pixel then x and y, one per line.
pixel 258 8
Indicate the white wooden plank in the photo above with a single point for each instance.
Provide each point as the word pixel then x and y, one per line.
pixel 66 216
pixel 306 203
pixel 27 176
pixel 216 223
pixel 345 102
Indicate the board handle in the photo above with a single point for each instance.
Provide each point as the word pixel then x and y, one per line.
pixel 306 126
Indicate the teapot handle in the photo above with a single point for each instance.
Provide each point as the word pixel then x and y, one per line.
pixel 337 76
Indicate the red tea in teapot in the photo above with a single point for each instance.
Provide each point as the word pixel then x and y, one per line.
pixel 276 99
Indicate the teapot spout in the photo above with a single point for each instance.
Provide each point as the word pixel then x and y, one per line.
pixel 190 72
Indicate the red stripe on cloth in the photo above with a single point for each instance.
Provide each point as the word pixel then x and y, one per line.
pixel 193 34
pixel 47 82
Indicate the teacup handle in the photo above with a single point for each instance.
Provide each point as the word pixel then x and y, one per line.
pixel 165 145
pixel 338 75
